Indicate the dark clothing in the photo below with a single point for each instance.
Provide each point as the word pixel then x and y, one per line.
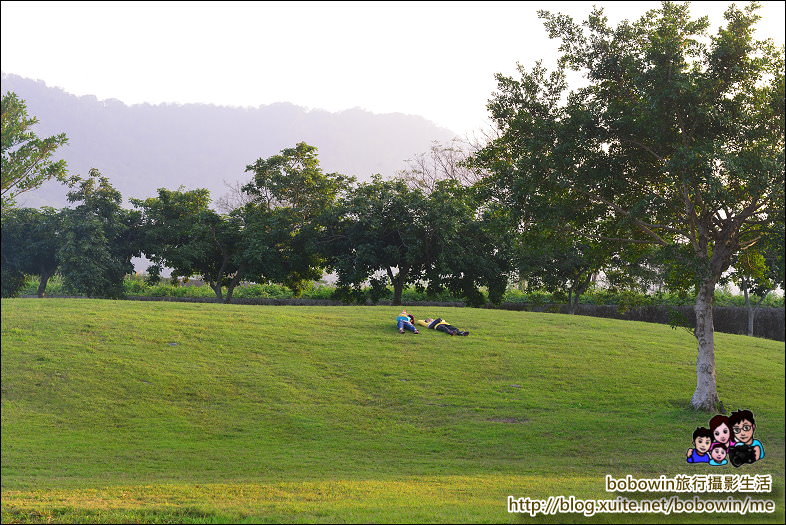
pixel 447 328
pixel 442 326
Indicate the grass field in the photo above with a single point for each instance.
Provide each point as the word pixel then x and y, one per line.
pixel 120 411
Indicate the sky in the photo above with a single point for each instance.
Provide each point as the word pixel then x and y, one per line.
pixel 433 59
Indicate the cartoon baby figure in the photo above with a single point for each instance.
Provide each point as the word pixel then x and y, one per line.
pixel 718 454
pixel 743 426
pixel 702 440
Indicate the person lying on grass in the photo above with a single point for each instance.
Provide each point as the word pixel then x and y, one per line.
pixel 441 325
pixel 405 321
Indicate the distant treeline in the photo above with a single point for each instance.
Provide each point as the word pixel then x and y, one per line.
pixel 135 285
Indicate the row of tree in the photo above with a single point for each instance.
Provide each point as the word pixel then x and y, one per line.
pixel 434 226
pixel 295 222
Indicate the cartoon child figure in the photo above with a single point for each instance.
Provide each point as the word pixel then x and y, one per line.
pixel 702 440
pixel 718 454
pixel 743 426
pixel 721 430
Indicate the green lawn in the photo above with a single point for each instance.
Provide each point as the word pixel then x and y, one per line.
pixel 123 411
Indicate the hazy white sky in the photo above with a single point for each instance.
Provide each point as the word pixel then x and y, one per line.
pixel 435 59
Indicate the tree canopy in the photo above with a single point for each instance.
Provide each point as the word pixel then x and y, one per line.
pixel 31 239
pixel 98 239
pixel 26 159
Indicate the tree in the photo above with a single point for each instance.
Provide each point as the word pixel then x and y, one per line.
pixel 379 227
pixel 758 271
pixel 31 239
pixel 469 242
pixel 99 238
pixel 679 141
pixel 289 201
pixel 26 159
pixel 181 232
pixel 560 263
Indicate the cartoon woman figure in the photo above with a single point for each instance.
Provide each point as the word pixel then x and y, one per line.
pixel 721 430
pixel 718 454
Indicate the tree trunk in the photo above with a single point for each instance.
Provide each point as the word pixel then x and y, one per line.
pixel 755 309
pixel 398 283
pixel 748 305
pixel 44 278
pixel 705 397
pixel 231 288
pixel 398 289
pixel 217 289
pixel 575 291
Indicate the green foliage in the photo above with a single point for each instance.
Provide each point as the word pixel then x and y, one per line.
pixel 273 237
pixel 30 242
pixel 294 180
pixel 624 299
pixel 99 238
pixel 13 281
pixel 448 239
pixel 378 226
pixel 26 159
pixel 180 231
pixel 290 201
pixel 471 243
pixel 673 142
pixel 760 269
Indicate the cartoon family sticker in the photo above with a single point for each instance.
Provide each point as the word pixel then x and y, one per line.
pixel 728 440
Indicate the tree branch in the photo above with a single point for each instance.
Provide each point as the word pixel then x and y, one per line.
pixel 639 223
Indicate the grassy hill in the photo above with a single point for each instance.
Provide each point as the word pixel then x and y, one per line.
pixel 176 412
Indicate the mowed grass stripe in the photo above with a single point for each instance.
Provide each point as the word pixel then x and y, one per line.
pixel 101 394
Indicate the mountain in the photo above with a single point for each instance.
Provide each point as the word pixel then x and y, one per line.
pixel 143 147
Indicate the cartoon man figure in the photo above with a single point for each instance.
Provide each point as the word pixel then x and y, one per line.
pixel 718 454
pixel 743 426
pixel 702 440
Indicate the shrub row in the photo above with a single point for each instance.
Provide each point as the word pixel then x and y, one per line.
pixel 138 287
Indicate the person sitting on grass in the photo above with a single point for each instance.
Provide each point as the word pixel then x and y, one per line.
pixel 441 325
pixel 404 321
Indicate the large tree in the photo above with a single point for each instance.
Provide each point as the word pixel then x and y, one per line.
pixel 470 245
pixel 678 137
pixel 288 203
pixel 379 227
pixel 98 239
pixel 26 159
pixel 183 233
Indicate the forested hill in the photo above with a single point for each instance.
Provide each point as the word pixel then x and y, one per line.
pixel 143 147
